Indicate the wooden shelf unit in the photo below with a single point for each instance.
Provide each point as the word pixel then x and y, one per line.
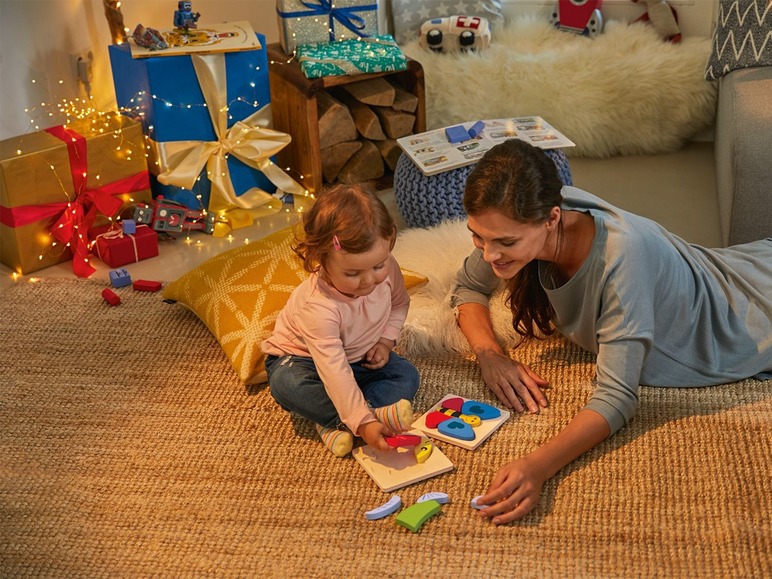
pixel 293 100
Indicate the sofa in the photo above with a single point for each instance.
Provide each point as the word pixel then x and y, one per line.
pixel 743 152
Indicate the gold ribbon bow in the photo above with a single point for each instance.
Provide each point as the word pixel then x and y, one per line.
pixel 251 140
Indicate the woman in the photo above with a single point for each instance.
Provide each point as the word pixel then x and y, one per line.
pixel 656 310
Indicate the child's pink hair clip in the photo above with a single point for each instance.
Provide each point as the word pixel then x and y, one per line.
pixel 336 243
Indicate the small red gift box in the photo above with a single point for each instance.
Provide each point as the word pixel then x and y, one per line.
pixel 117 248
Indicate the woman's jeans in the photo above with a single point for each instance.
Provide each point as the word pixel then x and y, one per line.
pixel 297 387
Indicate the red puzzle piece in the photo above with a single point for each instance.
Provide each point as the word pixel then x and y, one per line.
pixel 453 403
pixel 434 418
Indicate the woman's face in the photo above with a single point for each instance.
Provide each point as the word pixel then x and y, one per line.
pixel 509 245
pixel 358 274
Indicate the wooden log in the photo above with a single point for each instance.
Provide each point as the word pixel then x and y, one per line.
pixel 395 124
pixel 365 119
pixel 403 100
pixel 375 91
pixel 336 156
pixel 335 122
pixel 390 151
pixel 366 164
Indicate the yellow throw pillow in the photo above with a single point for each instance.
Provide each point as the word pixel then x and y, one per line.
pixel 238 295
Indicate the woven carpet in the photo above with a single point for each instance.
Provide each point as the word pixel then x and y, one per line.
pixel 129 448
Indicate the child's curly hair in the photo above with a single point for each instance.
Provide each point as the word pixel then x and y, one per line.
pixel 353 215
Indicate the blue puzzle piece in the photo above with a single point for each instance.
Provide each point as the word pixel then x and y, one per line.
pixel 120 278
pixel 456 428
pixel 484 411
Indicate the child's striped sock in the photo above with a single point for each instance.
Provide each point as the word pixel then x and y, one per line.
pixel 398 416
pixel 340 442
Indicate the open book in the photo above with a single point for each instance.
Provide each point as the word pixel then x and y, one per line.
pixel 433 152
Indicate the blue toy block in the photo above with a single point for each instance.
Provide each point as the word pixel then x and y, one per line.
pixel 129 226
pixel 456 134
pixel 120 278
pixel 476 129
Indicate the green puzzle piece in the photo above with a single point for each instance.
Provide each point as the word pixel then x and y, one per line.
pixel 416 515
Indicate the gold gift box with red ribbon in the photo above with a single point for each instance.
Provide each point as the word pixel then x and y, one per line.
pixel 58 183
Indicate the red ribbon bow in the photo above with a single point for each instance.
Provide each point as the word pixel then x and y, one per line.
pixel 73 224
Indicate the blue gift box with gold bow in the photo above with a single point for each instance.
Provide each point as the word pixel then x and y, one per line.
pixel 207 118
pixel 313 21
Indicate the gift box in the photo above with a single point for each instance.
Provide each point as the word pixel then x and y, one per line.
pixel 315 21
pixel 116 248
pixel 55 184
pixel 207 118
pixel 351 57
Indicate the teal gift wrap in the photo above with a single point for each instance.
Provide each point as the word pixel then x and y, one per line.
pixel 351 57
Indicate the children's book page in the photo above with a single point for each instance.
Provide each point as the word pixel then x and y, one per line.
pixel 433 152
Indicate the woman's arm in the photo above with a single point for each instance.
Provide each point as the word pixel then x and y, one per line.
pixel 515 384
pixel 516 488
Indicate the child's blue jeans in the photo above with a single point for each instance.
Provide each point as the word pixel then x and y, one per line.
pixel 297 387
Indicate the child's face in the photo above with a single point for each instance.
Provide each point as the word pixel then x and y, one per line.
pixel 357 274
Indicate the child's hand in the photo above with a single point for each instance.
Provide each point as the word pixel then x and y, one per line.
pixel 378 355
pixel 373 434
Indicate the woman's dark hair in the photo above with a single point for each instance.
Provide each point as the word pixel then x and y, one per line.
pixel 351 214
pixel 520 181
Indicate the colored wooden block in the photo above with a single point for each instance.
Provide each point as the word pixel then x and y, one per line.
pixel 402 440
pixel 433 419
pixel 120 278
pixel 416 515
pixel 441 498
pixel 423 452
pixel 143 285
pixel 129 226
pixel 456 428
pixel 385 509
pixel 110 297
pixel 456 134
pixel 476 129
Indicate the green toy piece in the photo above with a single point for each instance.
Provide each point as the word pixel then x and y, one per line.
pixel 416 515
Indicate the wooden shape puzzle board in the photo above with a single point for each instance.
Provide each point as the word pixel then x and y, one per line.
pixel 482 432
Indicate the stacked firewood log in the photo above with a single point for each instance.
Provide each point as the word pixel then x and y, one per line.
pixel 359 124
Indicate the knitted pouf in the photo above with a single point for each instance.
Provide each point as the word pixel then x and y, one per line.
pixel 425 201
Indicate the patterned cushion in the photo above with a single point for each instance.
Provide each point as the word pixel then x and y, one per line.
pixel 743 37
pixel 408 15
pixel 238 295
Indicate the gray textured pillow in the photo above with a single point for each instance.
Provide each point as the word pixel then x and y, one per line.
pixel 743 37
pixel 407 16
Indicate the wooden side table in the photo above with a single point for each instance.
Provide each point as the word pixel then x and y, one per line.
pixel 293 100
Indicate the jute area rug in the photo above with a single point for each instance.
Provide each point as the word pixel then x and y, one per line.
pixel 129 448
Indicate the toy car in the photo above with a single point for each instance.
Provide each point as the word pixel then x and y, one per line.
pixel 455 33
pixel 579 16
pixel 170 216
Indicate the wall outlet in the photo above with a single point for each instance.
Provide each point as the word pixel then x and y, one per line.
pixel 82 66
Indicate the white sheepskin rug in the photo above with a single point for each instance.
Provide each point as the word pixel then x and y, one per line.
pixel 624 92
pixel 438 252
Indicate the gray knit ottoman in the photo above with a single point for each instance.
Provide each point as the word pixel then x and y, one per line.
pixel 425 201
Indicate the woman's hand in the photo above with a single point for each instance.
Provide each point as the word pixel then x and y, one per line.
pixel 515 384
pixel 514 492
pixel 378 355
pixel 373 434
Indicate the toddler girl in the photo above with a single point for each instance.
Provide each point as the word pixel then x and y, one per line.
pixel 329 358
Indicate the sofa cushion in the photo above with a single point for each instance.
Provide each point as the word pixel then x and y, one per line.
pixel 743 37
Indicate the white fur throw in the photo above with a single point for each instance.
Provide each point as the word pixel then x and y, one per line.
pixel 438 252
pixel 623 92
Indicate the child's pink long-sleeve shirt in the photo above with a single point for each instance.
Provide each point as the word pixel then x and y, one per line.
pixel 336 330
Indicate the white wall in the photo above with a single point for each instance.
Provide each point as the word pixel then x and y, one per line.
pixel 38 37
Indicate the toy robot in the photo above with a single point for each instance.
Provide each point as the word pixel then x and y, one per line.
pixel 578 16
pixel 170 216
pixel 184 17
